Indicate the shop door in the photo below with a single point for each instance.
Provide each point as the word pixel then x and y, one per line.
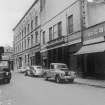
pixel 90 65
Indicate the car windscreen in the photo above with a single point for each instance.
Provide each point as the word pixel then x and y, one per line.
pixel 4 65
pixel 62 67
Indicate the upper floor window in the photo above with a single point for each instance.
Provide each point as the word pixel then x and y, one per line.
pixel 59 29
pixel 22 45
pixel 25 43
pixel 43 37
pixel 36 20
pixel 31 40
pixel 25 30
pixel 50 33
pixel 28 28
pixel 28 39
pixel 22 33
pixel 70 24
pixel 31 25
pixel 42 5
pixel 55 31
pixel 36 36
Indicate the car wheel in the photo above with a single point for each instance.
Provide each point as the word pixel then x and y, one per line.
pixel 57 79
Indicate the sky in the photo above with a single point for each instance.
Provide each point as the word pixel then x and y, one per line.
pixel 11 11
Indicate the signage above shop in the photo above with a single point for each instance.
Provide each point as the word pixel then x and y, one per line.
pixel 97 32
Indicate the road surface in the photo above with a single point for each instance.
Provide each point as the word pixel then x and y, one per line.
pixel 36 91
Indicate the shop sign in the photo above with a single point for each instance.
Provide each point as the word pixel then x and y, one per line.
pixel 95 32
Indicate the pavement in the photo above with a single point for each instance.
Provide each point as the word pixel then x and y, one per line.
pixel 90 82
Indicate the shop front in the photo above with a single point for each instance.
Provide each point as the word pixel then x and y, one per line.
pixel 93 58
pixel 92 53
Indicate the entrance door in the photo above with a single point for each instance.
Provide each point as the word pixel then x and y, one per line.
pixel 90 65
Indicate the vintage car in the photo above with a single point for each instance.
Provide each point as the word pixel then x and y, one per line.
pixel 59 72
pixel 5 72
pixel 36 71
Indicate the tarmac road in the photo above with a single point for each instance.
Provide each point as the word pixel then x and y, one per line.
pixel 36 91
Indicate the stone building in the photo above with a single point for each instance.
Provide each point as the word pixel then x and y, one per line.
pixel 60 31
pixel 27 37
pixel 68 31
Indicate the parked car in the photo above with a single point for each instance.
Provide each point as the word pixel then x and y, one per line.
pixel 38 71
pixel 59 72
pixel 34 71
pixel 23 69
pixel 30 71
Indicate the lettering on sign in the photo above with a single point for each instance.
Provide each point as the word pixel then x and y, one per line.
pixel 96 31
pixel 101 29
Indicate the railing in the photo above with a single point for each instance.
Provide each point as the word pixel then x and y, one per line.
pixel 58 40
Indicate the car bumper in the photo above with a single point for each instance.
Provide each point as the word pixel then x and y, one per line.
pixel 67 77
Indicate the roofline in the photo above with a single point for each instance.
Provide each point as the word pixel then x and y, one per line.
pixel 25 14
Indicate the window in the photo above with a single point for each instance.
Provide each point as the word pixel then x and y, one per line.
pixel 31 40
pixel 50 33
pixel 28 39
pixel 59 29
pixel 36 38
pixel 25 43
pixel 28 28
pixel 28 58
pixel 25 30
pixel 42 5
pixel 31 25
pixel 70 24
pixel 25 58
pixel 43 37
pixel 36 20
pixel 55 32
pixel 22 33
pixel 22 45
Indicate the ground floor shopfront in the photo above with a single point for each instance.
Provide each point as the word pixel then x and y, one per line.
pixel 92 60
pixel 28 57
pixel 62 54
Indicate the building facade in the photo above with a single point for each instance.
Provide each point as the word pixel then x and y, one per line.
pixel 27 37
pixel 60 32
pixel 92 52
pixel 67 33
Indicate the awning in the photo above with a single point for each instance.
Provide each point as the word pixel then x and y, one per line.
pixel 100 47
